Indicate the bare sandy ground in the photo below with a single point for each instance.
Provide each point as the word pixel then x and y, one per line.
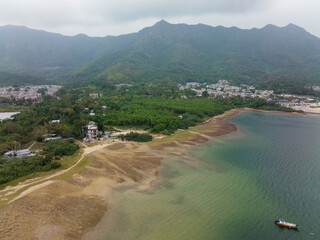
pixel 13 189
pixel 68 209
pixel 307 109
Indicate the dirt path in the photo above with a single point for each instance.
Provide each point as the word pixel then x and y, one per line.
pixel 32 144
pixel 47 208
pixel 31 185
pixel 81 143
pixel 42 182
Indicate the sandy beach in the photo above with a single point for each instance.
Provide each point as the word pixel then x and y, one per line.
pixel 70 207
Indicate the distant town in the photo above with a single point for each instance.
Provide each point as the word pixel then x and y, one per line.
pixel 28 92
pixel 224 89
pixel 220 89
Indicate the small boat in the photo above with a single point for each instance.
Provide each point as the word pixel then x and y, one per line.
pixel 284 223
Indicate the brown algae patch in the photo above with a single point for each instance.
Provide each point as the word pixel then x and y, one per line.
pixel 71 216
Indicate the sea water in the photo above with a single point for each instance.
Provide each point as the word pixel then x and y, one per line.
pixel 7 115
pixel 231 188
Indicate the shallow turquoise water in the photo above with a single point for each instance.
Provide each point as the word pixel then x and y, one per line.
pixel 233 187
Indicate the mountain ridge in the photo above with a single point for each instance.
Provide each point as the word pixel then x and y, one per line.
pixel 199 52
pixel 177 52
pixel 27 51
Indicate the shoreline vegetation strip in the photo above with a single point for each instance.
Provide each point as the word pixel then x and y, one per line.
pixel 109 167
pixel 22 184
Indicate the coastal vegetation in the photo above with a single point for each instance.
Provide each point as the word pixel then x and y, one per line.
pixel 60 147
pixel 160 115
pixel 155 108
pixel 137 137
pixel 290 86
pixel 13 168
pixel 15 80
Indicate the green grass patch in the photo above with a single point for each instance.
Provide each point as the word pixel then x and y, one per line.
pixel 86 161
pixel 27 145
pixel 68 161
pixel 37 146
pixel 12 108
pixel 128 128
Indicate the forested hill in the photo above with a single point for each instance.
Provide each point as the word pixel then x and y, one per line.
pixel 16 80
pixel 176 52
pixel 201 53
pixel 35 52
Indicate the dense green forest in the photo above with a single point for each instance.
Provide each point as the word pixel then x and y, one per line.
pixel 137 137
pixel 291 86
pixel 60 147
pixel 14 168
pixel 16 80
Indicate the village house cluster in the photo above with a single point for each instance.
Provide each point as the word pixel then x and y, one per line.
pixel 223 89
pixel 302 103
pixel 28 92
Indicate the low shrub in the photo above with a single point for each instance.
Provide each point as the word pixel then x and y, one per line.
pixel 137 137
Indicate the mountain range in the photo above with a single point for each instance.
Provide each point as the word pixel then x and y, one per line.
pixel 176 52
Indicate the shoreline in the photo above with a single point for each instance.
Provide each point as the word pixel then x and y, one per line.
pixel 53 210
pixel 220 128
pixel 277 112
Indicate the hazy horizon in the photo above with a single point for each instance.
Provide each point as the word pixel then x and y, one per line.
pixel 106 35
pixel 106 17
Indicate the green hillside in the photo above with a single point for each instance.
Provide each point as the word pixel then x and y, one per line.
pixel 9 79
pixel 34 52
pixel 164 52
pixel 202 53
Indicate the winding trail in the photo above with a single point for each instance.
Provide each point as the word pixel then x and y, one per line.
pixel 45 181
pixel 32 144
pixel 31 185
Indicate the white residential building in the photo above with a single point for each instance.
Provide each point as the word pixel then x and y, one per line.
pixel 19 153
pixel 91 131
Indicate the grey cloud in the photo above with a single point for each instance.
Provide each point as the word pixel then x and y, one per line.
pixel 126 10
pixel 72 12
pixel 102 17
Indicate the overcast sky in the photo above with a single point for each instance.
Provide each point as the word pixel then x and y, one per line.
pixel 115 17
